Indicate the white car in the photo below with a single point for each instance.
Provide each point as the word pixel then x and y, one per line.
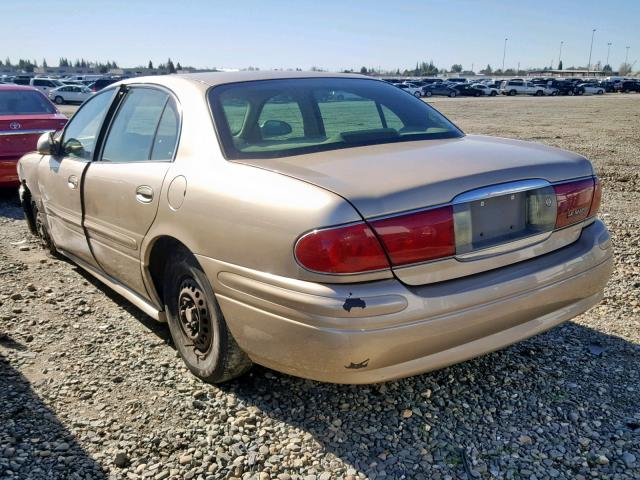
pixel 70 94
pixel 410 88
pixel 45 85
pixel 590 88
pixel 486 90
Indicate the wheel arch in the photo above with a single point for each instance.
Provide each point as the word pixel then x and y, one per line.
pixel 158 253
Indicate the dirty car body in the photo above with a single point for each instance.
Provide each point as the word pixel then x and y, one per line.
pixel 328 226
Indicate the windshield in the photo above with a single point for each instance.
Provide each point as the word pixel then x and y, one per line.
pixel 275 118
pixel 24 102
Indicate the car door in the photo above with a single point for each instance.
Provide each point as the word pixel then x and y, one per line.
pixel 60 177
pixel 122 189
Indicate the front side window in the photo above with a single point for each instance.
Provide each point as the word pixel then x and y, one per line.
pixel 133 130
pixel 274 118
pixel 80 135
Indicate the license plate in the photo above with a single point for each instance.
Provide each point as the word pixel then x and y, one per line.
pixel 503 217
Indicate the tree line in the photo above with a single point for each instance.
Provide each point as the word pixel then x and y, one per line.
pixel 29 66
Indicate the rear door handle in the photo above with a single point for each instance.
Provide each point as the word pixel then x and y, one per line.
pixel 72 182
pixel 144 194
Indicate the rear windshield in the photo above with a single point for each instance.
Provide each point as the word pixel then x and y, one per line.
pixel 276 118
pixel 24 102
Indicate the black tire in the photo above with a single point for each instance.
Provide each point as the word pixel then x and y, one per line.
pixel 428 94
pixel 493 93
pixel 42 231
pixel 59 100
pixel 417 94
pixel 197 325
pixel 539 93
pixel 513 93
pixel 600 92
pixel 452 94
pixel 477 94
pixel 570 93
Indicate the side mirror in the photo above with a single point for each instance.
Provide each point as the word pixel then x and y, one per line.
pixel 46 144
pixel 275 128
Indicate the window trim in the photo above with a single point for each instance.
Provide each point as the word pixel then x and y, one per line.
pixel 127 88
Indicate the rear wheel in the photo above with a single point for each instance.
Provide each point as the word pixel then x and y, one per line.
pixel 427 93
pixel 512 93
pixel 452 94
pixel 197 325
pixel 493 93
pixel 477 94
pixel 417 94
pixel 59 100
pixel 539 93
pixel 570 93
pixel 600 92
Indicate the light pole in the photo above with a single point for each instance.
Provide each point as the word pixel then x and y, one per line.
pixel 626 57
pixel 608 50
pixel 593 32
pixel 560 54
pixel 504 53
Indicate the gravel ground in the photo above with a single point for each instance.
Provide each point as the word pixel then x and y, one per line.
pixel 91 388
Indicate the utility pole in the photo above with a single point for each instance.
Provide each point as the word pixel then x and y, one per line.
pixel 626 57
pixel 560 54
pixel 608 50
pixel 504 53
pixel 518 72
pixel 593 32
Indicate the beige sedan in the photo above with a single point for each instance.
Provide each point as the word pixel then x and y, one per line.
pixel 329 226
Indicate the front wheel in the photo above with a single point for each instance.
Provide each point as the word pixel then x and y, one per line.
pixel 428 94
pixel 553 94
pixel 512 93
pixel 59 100
pixel 452 94
pixel 539 93
pixel 196 323
pixel 493 94
pixel 416 94
pixel 600 92
pixel 570 93
pixel 477 94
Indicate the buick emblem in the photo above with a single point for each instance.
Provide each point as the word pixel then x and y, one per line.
pixel 15 126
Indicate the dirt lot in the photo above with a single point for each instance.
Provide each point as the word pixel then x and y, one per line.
pixel 91 388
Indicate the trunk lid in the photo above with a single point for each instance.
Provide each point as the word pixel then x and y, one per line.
pixel 19 133
pixel 389 179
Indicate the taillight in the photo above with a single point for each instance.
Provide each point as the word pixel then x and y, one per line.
pixel 417 237
pixel 597 197
pixel 349 249
pixel 575 201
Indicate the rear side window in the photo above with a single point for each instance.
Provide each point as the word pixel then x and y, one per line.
pixel 166 139
pixel 133 129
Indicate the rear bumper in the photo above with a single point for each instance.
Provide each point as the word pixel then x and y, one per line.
pixel 9 173
pixel 378 331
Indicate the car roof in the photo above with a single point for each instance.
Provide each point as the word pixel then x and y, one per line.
pixel 6 86
pixel 209 79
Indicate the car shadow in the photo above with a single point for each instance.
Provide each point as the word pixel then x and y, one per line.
pixel 10 204
pixel 34 443
pixel 465 420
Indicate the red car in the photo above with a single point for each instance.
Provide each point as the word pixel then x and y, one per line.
pixel 25 114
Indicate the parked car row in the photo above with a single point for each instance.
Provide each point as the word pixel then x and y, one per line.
pixel 551 86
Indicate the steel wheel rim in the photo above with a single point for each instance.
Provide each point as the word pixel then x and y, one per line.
pixel 194 316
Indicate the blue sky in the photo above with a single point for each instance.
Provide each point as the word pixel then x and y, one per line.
pixel 325 33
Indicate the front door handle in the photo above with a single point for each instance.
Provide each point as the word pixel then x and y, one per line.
pixel 72 182
pixel 144 194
